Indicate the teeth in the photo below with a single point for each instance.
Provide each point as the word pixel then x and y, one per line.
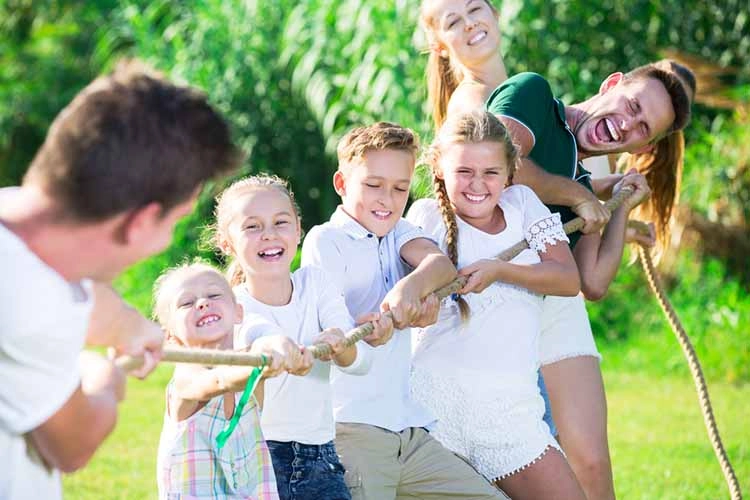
pixel 382 213
pixel 208 320
pixel 478 37
pixel 271 252
pixel 612 129
pixel 477 198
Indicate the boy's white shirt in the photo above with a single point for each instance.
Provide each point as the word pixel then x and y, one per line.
pixel 365 268
pixel 44 329
pixel 299 408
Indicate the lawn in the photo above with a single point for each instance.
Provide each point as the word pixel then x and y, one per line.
pixel 659 447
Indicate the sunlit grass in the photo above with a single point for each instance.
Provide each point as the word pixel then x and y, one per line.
pixel 659 446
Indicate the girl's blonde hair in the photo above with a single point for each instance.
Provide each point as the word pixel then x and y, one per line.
pixel 443 76
pixel 468 128
pixel 162 301
pixel 224 211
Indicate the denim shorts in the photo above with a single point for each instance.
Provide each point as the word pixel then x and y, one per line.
pixel 308 471
pixel 547 405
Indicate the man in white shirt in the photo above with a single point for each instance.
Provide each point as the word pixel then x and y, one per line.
pixel 120 165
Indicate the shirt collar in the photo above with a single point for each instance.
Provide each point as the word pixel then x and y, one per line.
pixel 349 225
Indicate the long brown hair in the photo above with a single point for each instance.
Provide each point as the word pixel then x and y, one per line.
pixel 442 76
pixel 662 166
pixel 468 128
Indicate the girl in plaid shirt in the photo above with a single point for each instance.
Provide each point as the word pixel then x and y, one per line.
pixel 197 308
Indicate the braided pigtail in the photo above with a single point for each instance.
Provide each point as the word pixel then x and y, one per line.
pixel 451 234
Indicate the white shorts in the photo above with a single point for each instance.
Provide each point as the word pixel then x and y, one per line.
pixel 566 331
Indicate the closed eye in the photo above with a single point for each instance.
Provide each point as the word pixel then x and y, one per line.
pixel 187 303
pixel 215 296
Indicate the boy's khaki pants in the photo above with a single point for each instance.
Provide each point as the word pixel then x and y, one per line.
pixel 385 465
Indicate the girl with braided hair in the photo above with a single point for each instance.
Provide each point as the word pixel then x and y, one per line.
pixel 488 406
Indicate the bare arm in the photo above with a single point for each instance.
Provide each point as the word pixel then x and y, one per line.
pixel 69 438
pixel 557 274
pixel 115 323
pixel 599 256
pixel 433 269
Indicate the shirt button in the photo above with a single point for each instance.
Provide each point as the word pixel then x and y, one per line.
pixel 369 235
pixel 386 280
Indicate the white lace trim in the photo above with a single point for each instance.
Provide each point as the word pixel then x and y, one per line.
pixel 547 230
pixel 524 467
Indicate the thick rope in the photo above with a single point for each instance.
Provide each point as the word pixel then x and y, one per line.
pixel 695 370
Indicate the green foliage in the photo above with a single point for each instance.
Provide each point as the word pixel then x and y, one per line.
pixel 713 308
pixel 44 47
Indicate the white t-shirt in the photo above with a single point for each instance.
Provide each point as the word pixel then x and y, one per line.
pixel 43 331
pixel 299 408
pixel 366 267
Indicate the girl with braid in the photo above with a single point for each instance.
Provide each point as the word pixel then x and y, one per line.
pixel 488 404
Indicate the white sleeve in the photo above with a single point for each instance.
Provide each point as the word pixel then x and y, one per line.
pixel 255 326
pixel 39 354
pixel 420 214
pixel 321 251
pixel 540 227
pixel 333 313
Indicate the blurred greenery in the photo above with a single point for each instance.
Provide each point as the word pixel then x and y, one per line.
pixel 292 77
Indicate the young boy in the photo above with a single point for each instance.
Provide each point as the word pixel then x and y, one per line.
pixel 369 249
pixel 119 166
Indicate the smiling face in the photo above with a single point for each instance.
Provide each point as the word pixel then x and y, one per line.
pixel 374 190
pixel 465 31
pixel 202 309
pixel 263 231
pixel 475 175
pixel 625 116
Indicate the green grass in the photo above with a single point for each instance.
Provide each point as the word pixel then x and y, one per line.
pixel 660 449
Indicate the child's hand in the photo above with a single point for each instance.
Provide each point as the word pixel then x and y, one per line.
pixel 294 358
pixel 342 354
pixel 335 338
pixel 429 313
pixel 404 304
pixel 641 233
pixel 382 328
pixel 271 347
pixel 481 273
pixel 639 183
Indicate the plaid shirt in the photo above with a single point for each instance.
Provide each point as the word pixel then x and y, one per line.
pixel 190 465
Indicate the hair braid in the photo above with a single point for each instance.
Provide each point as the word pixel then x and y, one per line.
pixel 451 234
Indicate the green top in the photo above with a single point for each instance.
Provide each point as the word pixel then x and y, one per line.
pixel 528 99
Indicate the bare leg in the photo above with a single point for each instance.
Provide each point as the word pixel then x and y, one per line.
pixel 579 408
pixel 550 478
